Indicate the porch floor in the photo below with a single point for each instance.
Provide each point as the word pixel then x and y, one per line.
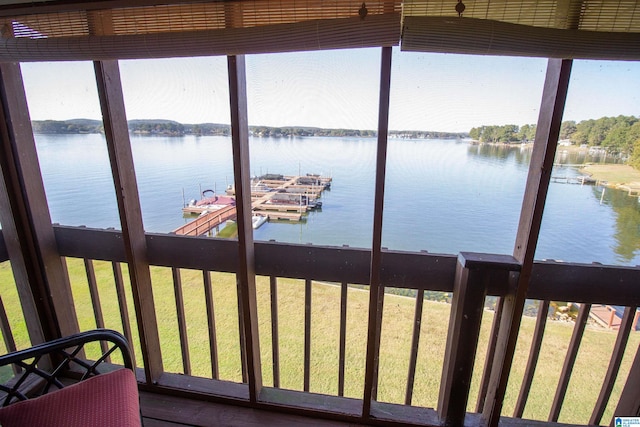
pixel 160 410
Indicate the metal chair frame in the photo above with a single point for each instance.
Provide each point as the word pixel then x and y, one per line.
pixel 62 355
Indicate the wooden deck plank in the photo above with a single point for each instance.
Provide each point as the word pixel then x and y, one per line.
pixel 162 410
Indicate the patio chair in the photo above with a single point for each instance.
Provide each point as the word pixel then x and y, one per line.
pixel 53 384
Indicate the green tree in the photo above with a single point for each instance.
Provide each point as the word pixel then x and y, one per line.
pixel 634 135
pixel 567 129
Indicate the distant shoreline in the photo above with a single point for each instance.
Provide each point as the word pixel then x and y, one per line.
pixel 173 128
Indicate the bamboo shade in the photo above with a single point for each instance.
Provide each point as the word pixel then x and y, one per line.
pixel 119 29
pixel 588 15
pixel 580 29
pixel 194 16
pixel 71 32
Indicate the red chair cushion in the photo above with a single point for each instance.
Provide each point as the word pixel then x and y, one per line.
pixel 106 400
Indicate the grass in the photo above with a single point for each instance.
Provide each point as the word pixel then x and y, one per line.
pixel 229 231
pixel 614 174
pixel 396 335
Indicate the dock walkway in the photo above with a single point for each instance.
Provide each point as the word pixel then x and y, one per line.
pixel 204 223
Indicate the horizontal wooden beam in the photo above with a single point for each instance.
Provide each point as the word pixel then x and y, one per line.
pixel 597 284
pixel 587 283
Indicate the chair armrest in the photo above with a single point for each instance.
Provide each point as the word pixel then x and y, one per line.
pixel 44 366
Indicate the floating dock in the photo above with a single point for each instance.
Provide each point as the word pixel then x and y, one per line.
pixel 582 179
pixel 273 196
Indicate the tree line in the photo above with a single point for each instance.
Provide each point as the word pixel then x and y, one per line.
pixel 616 135
pixel 173 128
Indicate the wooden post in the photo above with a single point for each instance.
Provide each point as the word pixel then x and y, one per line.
pixel 534 354
pixel 491 351
pixel 126 187
pixel 629 403
pixel 614 366
pixel 34 313
pixel 569 362
pixel 376 290
pixel 246 252
pixel 472 272
pixel 275 347
pixel 546 141
pixel 44 289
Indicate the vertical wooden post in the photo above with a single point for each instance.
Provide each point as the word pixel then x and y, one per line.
pixel 122 169
pixel 34 314
pixel 534 354
pixel 629 403
pixel 343 337
pixel 415 342
pixel 182 321
pixel 275 349
pixel 40 277
pixel 123 306
pixel 376 290
pixel 491 350
pixel 307 335
pixel 472 272
pixel 569 362
pixel 544 147
pixel 211 321
pixel 614 365
pixel 246 251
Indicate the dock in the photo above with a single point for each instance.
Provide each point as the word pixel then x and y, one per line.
pixel 265 203
pixel 582 179
pixel 205 223
pixel 608 317
pixel 268 191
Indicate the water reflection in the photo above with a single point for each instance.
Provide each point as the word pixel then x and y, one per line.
pixel 627 226
pixel 581 224
pixel 521 154
pixel 582 155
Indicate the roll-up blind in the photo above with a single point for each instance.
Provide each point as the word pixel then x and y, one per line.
pixel 581 29
pixel 198 28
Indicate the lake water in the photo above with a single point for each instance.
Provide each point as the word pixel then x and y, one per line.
pixel 442 196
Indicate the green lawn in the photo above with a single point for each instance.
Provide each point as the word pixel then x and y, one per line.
pixel 614 174
pixel 397 326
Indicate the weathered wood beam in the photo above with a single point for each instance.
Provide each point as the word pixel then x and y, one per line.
pixel 126 188
pixel 43 287
pixel 415 344
pixel 275 346
pixel 182 321
pixel 569 361
pixel 376 287
pixel 550 280
pixel 211 323
pixel 629 403
pixel 626 325
pixel 473 272
pixel 491 351
pixel 534 354
pixel 246 252
pixel 546 140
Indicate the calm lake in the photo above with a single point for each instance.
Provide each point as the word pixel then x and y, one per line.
pixel 442 196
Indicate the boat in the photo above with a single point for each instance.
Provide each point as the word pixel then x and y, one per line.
pixel 257 221
pixel 208 203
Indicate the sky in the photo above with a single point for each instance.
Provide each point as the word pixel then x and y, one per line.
pixel 339 89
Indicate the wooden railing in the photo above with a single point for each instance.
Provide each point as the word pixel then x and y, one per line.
pixel 469 277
